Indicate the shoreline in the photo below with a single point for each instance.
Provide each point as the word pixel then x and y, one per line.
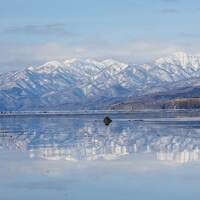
pixel 137 115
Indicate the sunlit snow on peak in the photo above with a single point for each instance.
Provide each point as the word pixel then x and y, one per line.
pixel 48 67
pixel 182 59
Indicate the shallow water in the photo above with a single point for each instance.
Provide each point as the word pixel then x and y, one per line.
pixel 81 158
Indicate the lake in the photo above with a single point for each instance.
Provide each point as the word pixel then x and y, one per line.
pixel 78 157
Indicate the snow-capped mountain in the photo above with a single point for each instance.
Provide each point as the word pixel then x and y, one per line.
pixel 75 83
pixel 177 67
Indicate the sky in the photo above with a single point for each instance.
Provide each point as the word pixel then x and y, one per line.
pixel 33 32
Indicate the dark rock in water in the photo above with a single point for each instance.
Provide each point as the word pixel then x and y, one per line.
pixel 107 121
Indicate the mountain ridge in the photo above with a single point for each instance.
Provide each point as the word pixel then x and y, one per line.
pixel 76 83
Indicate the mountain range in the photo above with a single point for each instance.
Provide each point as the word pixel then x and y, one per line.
pixel 89 84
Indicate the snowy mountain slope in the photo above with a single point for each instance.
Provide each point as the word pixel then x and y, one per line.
pixel 77 81
pixel 177 67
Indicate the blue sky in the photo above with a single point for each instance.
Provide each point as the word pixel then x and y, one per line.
pixel 33 32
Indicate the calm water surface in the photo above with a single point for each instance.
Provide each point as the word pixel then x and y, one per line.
pixel 81 158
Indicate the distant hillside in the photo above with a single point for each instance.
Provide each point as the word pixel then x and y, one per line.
pixel 179 103
pixel 190 103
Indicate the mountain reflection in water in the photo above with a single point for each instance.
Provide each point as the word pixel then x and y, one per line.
pixel 60 138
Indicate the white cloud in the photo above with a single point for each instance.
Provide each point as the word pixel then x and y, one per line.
pixel 137 51
pixel 45 29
